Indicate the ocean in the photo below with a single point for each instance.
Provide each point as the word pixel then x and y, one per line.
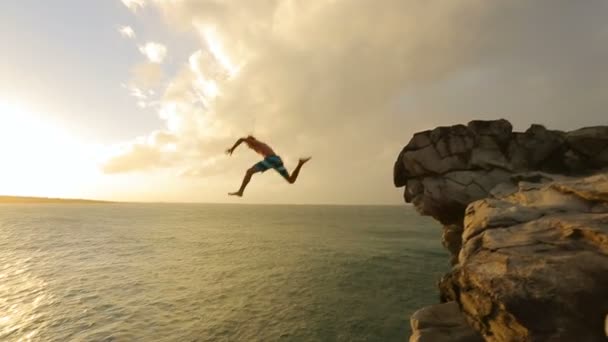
pixel 214 272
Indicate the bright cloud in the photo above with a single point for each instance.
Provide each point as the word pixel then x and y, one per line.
pixel 127 32
pixel 144 153
pixel 134 5
pixel 155 52
pixel 347 81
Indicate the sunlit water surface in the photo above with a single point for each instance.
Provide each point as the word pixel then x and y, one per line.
pixel 129 272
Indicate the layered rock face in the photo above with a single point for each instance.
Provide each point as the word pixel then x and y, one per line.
pixel 526 222
pixel 534 262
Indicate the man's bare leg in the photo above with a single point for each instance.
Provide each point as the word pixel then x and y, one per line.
pixel 246 180
pixel 296 171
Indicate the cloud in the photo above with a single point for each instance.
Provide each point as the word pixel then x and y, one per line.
pixel 145 78
pixel 134 5
pixel 127 32
pixel 146 75
pixel 145 153
pixel 350 81
pixel 155 52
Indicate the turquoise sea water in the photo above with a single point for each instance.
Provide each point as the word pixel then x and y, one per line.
pixel 194 272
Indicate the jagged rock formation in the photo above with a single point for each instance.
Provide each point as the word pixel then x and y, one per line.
pixel 526 224
pixel 534 263
pixel 447 168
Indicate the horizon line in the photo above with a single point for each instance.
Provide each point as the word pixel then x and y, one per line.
pixel 33 199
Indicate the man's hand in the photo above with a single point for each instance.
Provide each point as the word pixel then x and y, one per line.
pixel 237 143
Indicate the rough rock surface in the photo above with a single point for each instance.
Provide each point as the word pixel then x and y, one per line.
pixel 534 263
pixel 449 167
pixel 526 222
pixel 441 322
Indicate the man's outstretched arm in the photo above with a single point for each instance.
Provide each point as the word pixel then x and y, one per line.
pixel 237 143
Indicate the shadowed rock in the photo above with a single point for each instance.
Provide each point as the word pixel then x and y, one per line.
pixel 475 158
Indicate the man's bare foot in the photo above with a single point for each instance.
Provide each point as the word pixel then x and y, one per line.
pixel 302 161
pixel 240 194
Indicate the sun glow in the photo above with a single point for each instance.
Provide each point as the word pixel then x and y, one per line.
pixel 39 158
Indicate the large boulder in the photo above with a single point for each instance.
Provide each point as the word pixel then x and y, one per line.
pixel 591 143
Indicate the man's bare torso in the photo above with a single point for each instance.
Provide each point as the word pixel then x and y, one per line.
pixel 260 148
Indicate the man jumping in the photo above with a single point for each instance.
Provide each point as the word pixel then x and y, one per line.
pixel 271 161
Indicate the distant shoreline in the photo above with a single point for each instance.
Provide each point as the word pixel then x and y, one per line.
pixel 35 200
pixel 48 200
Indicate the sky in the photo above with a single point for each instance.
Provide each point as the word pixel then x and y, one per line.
pixel 137 100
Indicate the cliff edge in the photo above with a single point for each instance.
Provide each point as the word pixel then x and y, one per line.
pixel 525 218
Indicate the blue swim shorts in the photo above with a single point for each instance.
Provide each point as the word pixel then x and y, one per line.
pixel 272 162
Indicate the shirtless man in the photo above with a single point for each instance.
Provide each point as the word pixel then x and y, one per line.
pixel 271 161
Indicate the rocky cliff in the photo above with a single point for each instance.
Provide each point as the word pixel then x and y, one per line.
pixel 525 219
